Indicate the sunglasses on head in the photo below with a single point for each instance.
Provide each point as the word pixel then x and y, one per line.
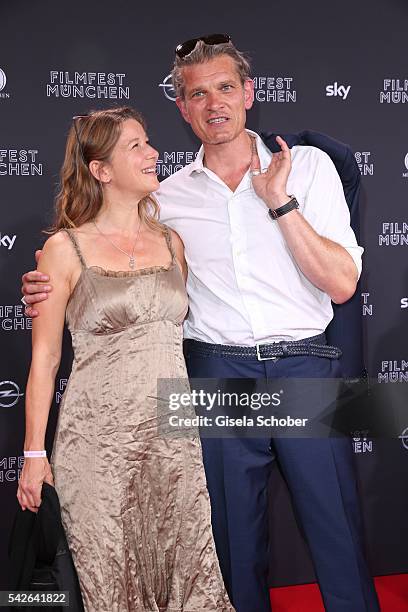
pixel 188 46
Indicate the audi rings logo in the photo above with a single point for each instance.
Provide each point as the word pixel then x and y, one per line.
pixel 168 88
pixel 404 438
pixel 9 394
pixel 3 79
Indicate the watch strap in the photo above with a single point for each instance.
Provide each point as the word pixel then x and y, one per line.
pixel 282 210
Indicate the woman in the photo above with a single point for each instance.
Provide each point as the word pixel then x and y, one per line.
pixel 134 503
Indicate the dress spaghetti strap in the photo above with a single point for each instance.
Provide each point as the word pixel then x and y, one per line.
pixel 169 243
pixel 74 241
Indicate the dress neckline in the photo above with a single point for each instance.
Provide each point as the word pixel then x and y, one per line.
pixel 131 273
pixel 124 273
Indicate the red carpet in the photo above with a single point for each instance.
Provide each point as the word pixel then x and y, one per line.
pixel 392 593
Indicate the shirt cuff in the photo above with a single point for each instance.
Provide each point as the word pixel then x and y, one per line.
pixel 356 253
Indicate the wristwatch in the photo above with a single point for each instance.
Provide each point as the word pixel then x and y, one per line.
pixel 282 210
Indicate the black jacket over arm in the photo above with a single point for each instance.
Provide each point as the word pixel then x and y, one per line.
pixel 345 330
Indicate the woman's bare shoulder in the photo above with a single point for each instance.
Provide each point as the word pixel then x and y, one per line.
pixel 60 241
pixel 58 250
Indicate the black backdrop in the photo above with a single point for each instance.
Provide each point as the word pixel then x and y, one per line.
pixel 338 68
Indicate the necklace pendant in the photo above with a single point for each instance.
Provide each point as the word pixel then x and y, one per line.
pixel 132 263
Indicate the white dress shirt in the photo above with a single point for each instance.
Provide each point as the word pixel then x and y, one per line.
pixel 243 283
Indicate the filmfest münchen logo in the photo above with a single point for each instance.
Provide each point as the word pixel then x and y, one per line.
pixel 12 318
pixel 393 371
pixel 3 81
pixel 171 161
pixel 59 389
pixel 100 85
pixel 367 305
pixel 394 91
pixel 394 233
pixel 9 393
pixel 20 162
pixel 274 89
pixel 10 468
pixel 364 162
pixel 361 442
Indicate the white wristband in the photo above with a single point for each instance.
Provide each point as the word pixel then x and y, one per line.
pixel 41 453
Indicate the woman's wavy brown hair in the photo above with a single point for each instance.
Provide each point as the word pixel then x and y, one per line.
pixel 80 197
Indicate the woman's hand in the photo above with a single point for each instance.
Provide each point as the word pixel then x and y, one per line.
pixel 36 470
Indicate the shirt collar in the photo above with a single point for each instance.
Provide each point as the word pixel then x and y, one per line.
pixel 197 165
pixel 263 152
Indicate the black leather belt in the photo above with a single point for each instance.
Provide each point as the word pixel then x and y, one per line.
pixel 313 347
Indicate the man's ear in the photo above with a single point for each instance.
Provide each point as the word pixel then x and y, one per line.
pixel 249 93
pixel 100 171
pixel 181 103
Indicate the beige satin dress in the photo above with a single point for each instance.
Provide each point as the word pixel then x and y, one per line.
pixel 134 503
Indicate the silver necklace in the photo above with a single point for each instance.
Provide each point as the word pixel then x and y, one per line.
pixel 130 255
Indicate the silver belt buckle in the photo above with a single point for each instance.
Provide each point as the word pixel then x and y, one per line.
pixel 258 354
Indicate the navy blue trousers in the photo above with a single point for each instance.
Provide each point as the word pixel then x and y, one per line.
pixel 321 479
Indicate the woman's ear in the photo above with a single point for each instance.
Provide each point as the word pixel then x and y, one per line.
pixel 100 171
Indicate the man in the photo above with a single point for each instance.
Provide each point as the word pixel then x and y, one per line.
pixel 268 245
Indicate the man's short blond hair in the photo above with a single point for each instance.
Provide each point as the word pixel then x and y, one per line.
pixel 204 53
